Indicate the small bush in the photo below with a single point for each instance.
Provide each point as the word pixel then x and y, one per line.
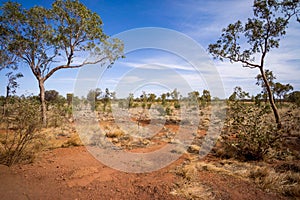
pixel 74 141
pixel 176 105
pixel 249 136
pixel 135 105
pixel 169 111
pixel 22 139
pixel 149 105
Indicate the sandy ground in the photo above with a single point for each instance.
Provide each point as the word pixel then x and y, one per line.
pixel 72 173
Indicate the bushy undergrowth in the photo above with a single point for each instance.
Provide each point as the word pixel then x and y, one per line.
pixel 58 115
pixel 250 133
pixel 20 139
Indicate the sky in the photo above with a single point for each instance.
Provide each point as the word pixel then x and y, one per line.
pixel 160 68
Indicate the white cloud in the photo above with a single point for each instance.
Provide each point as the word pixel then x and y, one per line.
pixel 204 22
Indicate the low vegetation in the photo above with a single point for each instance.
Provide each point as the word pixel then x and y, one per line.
pixel 20 136
pixel 250 147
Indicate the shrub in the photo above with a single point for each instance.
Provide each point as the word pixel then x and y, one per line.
pixel 74 141
pixel 176 105
pixel 21 140
pixel 143 105
pixel 149 105
pixel 169 111
pixel 135 105
pixel 249 135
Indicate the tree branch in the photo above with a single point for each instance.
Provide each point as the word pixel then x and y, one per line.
pixel 248 64
pixel 72 67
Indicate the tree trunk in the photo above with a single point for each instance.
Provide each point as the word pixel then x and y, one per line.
pixel 43 102
pixel 6 100
pixel 271 99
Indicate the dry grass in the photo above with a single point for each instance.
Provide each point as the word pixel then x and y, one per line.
pixel 27 154
pixel 194 190
pixel 190 187
pixel 114 133
pixel 285 182
pixel 73 141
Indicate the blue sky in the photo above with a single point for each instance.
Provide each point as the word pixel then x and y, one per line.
pixel 202 21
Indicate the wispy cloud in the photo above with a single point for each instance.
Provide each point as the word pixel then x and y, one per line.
pixel 204 21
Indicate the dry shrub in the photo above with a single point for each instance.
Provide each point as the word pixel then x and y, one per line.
pixel 286 183
pixel 114 133
pixel 190 186
pixel 21 140
pixel 74 141
pixel 58 114
pixel 283 179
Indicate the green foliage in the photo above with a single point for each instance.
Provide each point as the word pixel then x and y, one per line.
pixel 135 105
pixel 51 95
pixel 176 105
pixel 262 32
pixel 270 77
pixel 106 99
pixel 151 97
pixel 12 84
pixel 169 111
pixel 249 135
pixel 40 36
pixel 21 139
pixel 294 97
pixel 249 43
pixel 238 94
pixel 205 98
pixel 130 100
pixel 149 105
pixel 93 96
pixel 58 113
pixel 163 99
pixel 281 90
pixel 70 97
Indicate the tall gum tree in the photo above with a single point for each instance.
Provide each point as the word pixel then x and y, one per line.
pixel 48 40
pixel 250 43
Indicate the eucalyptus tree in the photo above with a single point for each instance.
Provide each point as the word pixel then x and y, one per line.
pixel 7 59
pixel 206 96
pixel 11 86
pixel 281 90
pixel 250 43
pixel 260 81
pixel 239 94
pixel 51 39
pixel 163 98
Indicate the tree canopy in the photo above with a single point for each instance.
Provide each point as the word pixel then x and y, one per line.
pixel 48 40
pixel 249 43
